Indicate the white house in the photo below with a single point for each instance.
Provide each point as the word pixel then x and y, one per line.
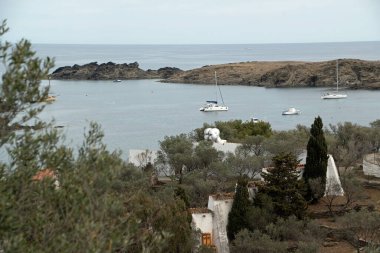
pixel 371 165
pixel 212 221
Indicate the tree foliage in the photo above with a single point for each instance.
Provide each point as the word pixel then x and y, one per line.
pixel 52 200
pixel 238 216
pixel 20 86
pixel 283 188
pixel 316 159
pixel 236 130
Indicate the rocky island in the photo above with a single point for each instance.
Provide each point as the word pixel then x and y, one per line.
pixel 111 71
pixel 353 73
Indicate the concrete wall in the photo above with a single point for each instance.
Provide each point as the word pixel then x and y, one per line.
pixel 203 222
pixel 370 166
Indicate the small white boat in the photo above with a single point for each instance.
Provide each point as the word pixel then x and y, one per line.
pixel 291 111
pixel 255 120
pixel 213 106
pixel 117 81
pixel 335 94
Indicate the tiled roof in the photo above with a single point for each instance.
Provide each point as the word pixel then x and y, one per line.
pixel 42 174
pixel 200 210
pixel 223 196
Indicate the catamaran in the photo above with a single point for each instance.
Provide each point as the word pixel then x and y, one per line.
pixel 212 105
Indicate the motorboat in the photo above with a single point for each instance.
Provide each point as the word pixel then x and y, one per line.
pixel 255 120
pixel 117 81
pixel 291 111
pixel 212 105
pixel 335 94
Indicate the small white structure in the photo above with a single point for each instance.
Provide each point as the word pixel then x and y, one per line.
pixel 212 134
pixel 214 227
pixel 333 185
pixel 371 165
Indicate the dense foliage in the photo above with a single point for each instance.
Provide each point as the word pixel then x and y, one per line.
pixel 236 130
pixel 316 159
pixel 52 200
pixel 238 216
pixel 20 86
pixel 283 188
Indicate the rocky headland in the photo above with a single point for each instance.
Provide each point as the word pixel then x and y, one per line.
pixel 111 71
pixel 353 74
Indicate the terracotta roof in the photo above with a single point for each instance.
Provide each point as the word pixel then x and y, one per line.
pixel 42 174
pixel 223 196
pixel 255 183
pixel 200 210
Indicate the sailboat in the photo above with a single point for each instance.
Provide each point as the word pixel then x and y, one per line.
pixel 212 105
pixel 335 94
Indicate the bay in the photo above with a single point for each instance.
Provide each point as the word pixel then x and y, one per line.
pixel 136 114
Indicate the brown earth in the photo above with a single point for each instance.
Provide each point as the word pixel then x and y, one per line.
pixel 353 74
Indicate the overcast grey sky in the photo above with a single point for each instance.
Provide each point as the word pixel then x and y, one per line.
pixel 191 21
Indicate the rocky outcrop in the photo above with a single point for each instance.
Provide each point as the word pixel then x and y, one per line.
pixel 353 74
pixel 111 71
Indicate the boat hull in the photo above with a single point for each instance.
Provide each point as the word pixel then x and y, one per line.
pixel 214 109
pixel 334 96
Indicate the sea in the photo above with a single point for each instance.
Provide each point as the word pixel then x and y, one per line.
pixel 138 114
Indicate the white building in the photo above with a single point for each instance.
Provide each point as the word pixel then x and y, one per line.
pixel 212 221
pixel 371 165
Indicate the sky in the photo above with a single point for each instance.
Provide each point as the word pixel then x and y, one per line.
pixel 191 21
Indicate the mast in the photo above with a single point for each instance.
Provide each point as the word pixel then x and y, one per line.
pixel 337 75
pixel 218 88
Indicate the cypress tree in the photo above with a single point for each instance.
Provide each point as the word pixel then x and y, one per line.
pixel 316 159
pixel 237 218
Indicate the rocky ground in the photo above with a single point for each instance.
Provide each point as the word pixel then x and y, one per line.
pixel 353 74
pixel 111 71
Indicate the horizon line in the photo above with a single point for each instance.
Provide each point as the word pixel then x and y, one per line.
pixel 201 44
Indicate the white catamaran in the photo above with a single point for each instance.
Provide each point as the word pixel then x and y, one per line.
pixel 212 105
pixel 335 94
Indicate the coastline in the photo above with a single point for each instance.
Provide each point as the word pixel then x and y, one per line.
pixel 353 73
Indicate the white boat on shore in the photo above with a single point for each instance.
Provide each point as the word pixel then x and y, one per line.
pixel 291 111
pixel 335 94
pixel 212 105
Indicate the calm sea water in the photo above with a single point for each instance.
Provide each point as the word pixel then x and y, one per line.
pixel 137 114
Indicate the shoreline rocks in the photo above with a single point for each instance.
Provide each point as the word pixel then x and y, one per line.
pixel 353 73
pixel 111 71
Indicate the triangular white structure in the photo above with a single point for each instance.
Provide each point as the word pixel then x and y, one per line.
pixel 333 185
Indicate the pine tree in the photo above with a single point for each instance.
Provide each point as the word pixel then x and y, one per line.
pixel 237 218
pixel 316 160
pixel 283 187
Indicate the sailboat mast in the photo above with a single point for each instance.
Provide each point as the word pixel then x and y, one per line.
pixel 337 75
pixel 216 87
